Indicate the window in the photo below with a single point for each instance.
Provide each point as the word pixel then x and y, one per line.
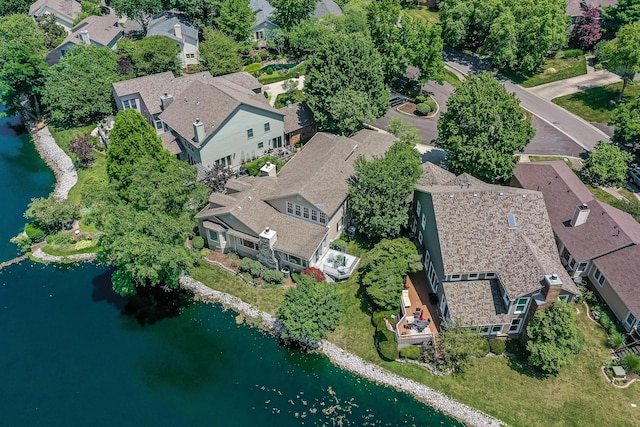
pixel 484 330
pixel 267 127
pixel 507 301
pixel 490 275
pixel 521 305
pixel 434 284
pixel 565 255
pixel 599 277
pixel 298 210
pixel 473 276
pixel 190 55
pixel 496 329
pixel 260 144
pixel 418 207
pixel 158 124
pixel 314 215
pixel 630 319
pixel 305 212
pixel 515 326
pixel 427 256
pixel 249 244
pixel 455 277
pixel 424 221
pixel 289 207
pixel 249 133
pixel 414 225
pixel 572 263
pixel 564 298
pixel 259 35
pixel 213 235
pixel 420 237
pixel 323 218
pixel 582 267
pixel 130 103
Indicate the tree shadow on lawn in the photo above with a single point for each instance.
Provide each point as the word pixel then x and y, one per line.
pixel 517 360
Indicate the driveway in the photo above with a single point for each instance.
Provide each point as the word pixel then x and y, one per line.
pixel 590 80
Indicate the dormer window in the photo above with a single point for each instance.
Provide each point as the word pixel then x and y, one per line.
pixel 129 103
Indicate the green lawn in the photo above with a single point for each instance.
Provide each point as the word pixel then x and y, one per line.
pixel 451 78
pixel 64 137
pixel 430 15
pixel 56 251
pixel 88 177
pixel 295 97
pixel 596 104
pixel 564 69
pixel 267 79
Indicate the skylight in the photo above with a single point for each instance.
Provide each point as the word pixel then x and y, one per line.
pixel 511 218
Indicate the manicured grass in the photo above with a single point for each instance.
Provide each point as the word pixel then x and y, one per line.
pixel 88 177
pixel 564 69
pixel 51 250
pixel 295 97
pixel 451 78
pixel 267 300
pixel 253 67
pixel 64 137
pixel 596 104
pixel 551 158
pixel 627 194
pixel 430 15
pixel 600 194
pixel 274 77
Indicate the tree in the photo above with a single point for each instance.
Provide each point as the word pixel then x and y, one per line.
pixel 23 29
pixel 615 17
pixel 219 53
pixel 309 311
pixel 607 165
pixel 202 12
pixel 456 345
pixel 389 262
pixel 216 177
pixel 87 8
pixel 482 129
pixel 156 54
pixel 78 89
pixel 131 140
pixel 622 54
pixel 553 338
pixel 11 7
pixel 53 33
pixel 236 19
pixel 424 48
pixel 587 30
pixel 289 86
pixel 83 149
pixel 380 188
pixel 289 13
pixel 406 132
pixel 140 11
pixel 626 119
pixel 343 66
pixel 52 214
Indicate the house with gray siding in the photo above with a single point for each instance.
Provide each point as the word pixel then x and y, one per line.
pixel 65 11
pixel 181 31
pixel 288 219
pixel 488 251
pixel 597 243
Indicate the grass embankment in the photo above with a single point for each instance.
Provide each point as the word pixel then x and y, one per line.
pixel 596 104
pixel 451 78
pixel 553 70
pixel 430 15
pixel 58 251
pixel 295 97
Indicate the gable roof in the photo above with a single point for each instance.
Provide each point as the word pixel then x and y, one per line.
pixel 102 30
pixel 475 236
pixel 262 9
pixel 327 7
pixel 622 269
pixel 163 24
pixel 606 229
pixel 64 9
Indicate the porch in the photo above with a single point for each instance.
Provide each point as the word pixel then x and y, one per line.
pixel 420 320
pixel 338 265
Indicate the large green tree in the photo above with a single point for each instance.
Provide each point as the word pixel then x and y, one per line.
pixel 54 33
pixel 131 140
pixel 202 12
pixel 553 337
pixel 156 54
pixel 615 17
pixel 289 13
pixel 626 119
pixel 10 7
pixel 78 89
pixel 388 263
pixel 622 55
pixel 482 129
pixel 309 311
pixel 607 164
pixel 52 214
pixel 140 11
pixel 380 188
pixel 236 19
pixel 219 53
pixel 343 66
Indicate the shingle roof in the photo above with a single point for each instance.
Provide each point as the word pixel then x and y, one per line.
pixel 67 9
pixel 574 9
pixel 475 236
pixel 326 7
pixel 262 9
pixel 606 229
pixel 321 176
pixel 102 30
pixel 622 270
pixel 297 116
pixel 477 302
pixel 162 24
pixel 169 143
pixel 312 173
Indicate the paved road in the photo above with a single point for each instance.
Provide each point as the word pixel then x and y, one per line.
pixel 572 126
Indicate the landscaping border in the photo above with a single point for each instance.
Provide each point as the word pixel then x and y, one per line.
pixel 61 164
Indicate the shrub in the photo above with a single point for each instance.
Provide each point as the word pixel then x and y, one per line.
pixel 82 147
pixel 572 53
pixel 387 346
pixel 315 272
pixel 616 339
pixel 245 265
pixel 268 70
pixel 483 348
pixel 497 346
pixel 421 99
pixel 339 245
pixel 632 362
pixel 233 256
pixel 273 276
pixel 256 269
pixel 197 243
pixel 266 95
pixel 253 168
pixel 423 109
pixel 205 252
pixel 412 352
pixel 60 239
pixel 33 232
pixel 23 242
pixel 431 104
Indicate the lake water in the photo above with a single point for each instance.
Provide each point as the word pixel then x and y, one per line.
pixel 69 356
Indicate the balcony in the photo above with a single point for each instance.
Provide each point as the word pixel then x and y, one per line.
pixel 338 265
pixel 419 318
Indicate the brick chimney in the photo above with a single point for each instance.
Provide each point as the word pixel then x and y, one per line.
pixel 551 290
pixel 580 215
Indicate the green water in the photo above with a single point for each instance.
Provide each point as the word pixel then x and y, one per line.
pixel 69 356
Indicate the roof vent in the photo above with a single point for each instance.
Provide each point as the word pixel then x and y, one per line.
pixel 353 150
pixel 501 193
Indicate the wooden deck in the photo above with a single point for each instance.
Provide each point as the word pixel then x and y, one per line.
pixel 418 290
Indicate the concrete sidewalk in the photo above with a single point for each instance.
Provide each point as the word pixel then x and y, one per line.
pixel 275 89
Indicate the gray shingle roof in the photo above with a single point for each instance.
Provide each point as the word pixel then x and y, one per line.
pixel 606 229
pixel 327 7
pixel 262 9
pixel 622 269
pixel 170 144
pixel 102 30
pixel 66 9
pixel 297 116
pixel 476 302
pixel 162 24
pixel 574 9
pixel 475 237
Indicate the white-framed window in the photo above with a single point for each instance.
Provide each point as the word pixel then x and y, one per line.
pixel 420 237
pixel 323 218
pixel 190 55
pixel 496 329
pixel 572 263
pixel 455 277
pixel 418 207
pixel 249 244
pixel 289 207
pixel 250 133
pixel 260 144
pixel 434 283
pixel 630 319
pixel 414 224
pixel 490 276
pixel 158 124
pixel 507 301
pixel 213 235
pixel 305 212
pixel 314 215
pixel 521 305
pixel 564 298
pixel 484 330
pixel 599 277
pixel 130 103
pixel 514 327
pixel 582 267
pixel 267 127
pixel 473 276
pixel 298 210
pixel 424 221
pixel 259 35
pixel 565 255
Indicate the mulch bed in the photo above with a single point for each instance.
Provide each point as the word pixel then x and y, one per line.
pixel 409 108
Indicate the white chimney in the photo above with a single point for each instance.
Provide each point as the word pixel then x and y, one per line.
pixel 580 215
pixel 198 130
pixel 84 35
pixel 269 236
pixel 177 29
pixel 269 169
pixel 166 100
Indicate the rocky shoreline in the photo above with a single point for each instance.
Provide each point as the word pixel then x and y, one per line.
pixel 61 164
pixel 348 361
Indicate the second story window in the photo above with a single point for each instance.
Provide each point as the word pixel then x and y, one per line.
pixel 130 103
pixel 249 133
pixel 267 127
pixel 260 144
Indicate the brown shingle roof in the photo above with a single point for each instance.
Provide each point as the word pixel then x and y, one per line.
pixel 102 30
pixel 606 229
pixel 476 302
pixel 297 116
pixel 170 144
pixel 574 9
pixel 67 9
pixel 622 270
